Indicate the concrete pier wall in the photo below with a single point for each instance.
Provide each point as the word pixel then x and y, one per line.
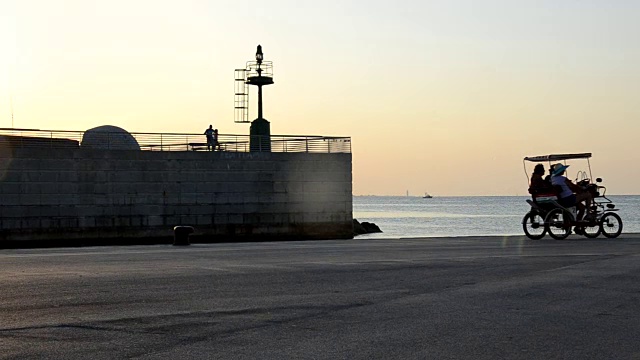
pixel 100 194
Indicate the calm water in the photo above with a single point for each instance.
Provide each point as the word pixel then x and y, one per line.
pixel 402 216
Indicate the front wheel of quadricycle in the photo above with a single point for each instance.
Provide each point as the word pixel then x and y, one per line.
pixel 611 225
pixel 558 224
pixel 533 225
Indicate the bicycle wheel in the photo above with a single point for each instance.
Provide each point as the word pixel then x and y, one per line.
pixel 592 231
pixel 611 225
pixel 533 225
pixel 558 224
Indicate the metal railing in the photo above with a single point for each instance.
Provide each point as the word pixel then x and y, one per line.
pixel 31 138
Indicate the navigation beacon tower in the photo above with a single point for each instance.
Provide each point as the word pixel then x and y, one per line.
pixel 258 73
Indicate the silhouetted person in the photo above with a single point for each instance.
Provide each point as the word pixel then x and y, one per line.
pixel 209 133
pixel 567 198
pixel 538 185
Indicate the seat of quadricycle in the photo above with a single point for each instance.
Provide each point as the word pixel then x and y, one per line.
pixel 545 200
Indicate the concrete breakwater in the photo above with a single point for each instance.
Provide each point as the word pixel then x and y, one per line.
pixel 76 193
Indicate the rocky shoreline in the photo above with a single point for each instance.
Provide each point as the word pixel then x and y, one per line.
pixel 360 228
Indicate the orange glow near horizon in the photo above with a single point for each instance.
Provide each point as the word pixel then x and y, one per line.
pixel 443 97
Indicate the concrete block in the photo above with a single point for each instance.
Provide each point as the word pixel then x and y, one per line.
pixel 89 177
pixel 14 176
pixel 153 188
pixel 122 221
pixel 250 198
pixel 155 221
pixel 172 220
pixel 25 165
pixel 236 187
pixel 188 220
pixel 68 188
pixel 221 198
pixel 150 210
pixel 69 223
pixel 201 210
pixel 98 188
pixel 261 187
pixel 235 219
pixel 29 199
pixel 296 218
pixel 87 222
pixel 166 187
pixel 152 199
pixel 189 187
pixel 16 211
pixel 137 221
pixel 219 218
pixel 85 199
pixel 246 208
pixel 121 166
pixel 206 220
pixel 49 188
pixel 104 221
pixel 11 188
pixel 126 176
pixel 172 199
pixel 32 188
pixel 236 197
pixel 73 211
pixel 280 208
pixel 122 188
pixel 57 199
pixel 30 223
pixel 45 223
pixel 47 211
pixel 102 200
pixel 11 223
pixel 279 198
pixel 189 198
pixel 31 175
pixel 280 187
pixel 89 188
pixel 292 176
pixel 175 177
pixel 57 164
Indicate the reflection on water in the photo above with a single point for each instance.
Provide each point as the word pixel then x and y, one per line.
pixel 461 216
pixel 426 215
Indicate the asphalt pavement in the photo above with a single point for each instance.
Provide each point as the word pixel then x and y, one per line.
pixel 428 298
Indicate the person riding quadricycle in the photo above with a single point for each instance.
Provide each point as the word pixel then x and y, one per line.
pixel 558 205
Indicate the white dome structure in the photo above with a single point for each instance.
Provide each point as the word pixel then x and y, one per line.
pixel 109 137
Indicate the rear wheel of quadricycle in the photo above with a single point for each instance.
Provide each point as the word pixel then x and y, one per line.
pixel 611 225
pixel 558 224
pixel 592 231
pixel 533 225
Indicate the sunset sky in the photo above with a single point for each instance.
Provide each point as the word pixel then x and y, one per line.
pixel 438 96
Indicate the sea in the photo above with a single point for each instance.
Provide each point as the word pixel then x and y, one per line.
pixel 413 216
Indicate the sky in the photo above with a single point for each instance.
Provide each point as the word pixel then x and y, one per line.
pixel 445 97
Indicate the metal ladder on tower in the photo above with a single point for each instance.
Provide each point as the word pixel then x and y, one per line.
pixel 241 97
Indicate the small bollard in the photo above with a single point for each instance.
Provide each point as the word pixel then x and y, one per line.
pixel 181 235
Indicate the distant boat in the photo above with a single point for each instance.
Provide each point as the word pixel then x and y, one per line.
pixel 427 196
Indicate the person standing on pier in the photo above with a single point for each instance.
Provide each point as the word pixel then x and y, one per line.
pixel 216 144
pixel 209 134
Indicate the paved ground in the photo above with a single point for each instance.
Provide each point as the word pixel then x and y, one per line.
pixel 457 298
